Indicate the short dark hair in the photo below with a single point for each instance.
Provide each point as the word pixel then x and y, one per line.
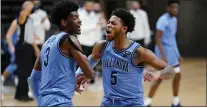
pixel 127 18
pixel 61 10
pixel 172 1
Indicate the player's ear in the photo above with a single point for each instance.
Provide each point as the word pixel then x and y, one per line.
pixel 63 22
pixel 125 28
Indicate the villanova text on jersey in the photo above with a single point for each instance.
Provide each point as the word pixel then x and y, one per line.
pixel 116 63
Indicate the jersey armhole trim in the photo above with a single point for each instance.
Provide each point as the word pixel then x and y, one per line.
pixel 132 60
pixel 105 46
pixel 58 47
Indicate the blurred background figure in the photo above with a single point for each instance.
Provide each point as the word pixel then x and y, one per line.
pixel 11 40
pixel 90 31
pixel 41 24
pixel 92 26
pixel 102 19
pixel 141 33
pixel 167 50
pixel 24 51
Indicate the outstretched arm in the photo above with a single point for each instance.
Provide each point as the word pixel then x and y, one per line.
pixel 148 57
pixel 10 33
pixel 94 58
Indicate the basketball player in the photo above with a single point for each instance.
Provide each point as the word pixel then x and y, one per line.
pixel 122 63
pixel 56 64
pixel 167 50
pixel 11 37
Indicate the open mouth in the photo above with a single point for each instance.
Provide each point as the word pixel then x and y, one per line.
pixel 108 32
pixel 79 29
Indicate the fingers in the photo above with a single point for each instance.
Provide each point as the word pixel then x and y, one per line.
pixel 148 77
pixel 78 90
pixel 80 87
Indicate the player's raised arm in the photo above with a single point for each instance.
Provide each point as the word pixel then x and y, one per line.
pixel 147 56
pixel 35 78
pixel 77 53
pixel 95 57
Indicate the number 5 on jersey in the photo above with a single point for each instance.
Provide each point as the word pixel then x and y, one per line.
pixel 113 78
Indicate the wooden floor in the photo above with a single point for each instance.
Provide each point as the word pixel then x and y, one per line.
pixel 192 90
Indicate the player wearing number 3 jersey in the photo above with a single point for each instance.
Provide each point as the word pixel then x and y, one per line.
pixel 122 63
pixel 53 79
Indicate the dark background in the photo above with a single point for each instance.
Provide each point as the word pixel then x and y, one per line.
pixel 191 35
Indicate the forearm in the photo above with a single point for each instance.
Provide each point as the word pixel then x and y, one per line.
pixel 34 82
pixel 9 41
pixel 93 62
pixel 167 73
pixel 34 45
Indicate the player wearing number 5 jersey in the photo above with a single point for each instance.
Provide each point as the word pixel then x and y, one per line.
pixel 53 78
pixel 122 63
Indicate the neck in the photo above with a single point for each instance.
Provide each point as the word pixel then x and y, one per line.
pixel 121 42
pixel 170 15
pixel 63 29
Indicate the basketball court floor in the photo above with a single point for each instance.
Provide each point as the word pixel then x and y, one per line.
pixel 192 90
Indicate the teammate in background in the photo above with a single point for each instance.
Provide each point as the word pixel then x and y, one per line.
pixel 11 36
pixel 59 56
pixel 167 50
pixel 122 63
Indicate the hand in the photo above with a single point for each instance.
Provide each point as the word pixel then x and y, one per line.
pixel 81 80
pixel 164 59
pixel 151 76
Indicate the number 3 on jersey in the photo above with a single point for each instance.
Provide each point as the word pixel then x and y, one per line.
pixel 46 56
pixel 113 78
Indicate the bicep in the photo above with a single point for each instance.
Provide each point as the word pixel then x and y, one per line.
pixel 98 50
pixel 12 28
pixel 159 33
pixel 150 58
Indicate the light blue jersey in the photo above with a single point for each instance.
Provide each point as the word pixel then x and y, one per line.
pixel 168 25
pixel 122 78
pixel 15 37
pixel 12 66
pixel 58 80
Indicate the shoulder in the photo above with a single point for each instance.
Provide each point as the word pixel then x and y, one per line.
pixel 143 54
pixel 72 39
pixel 162 20
pixel 163 17
pixel 42 12
pixel 143 12
pixel 99 47
pixel 14 22
pixel 139 50
pixel 101 43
